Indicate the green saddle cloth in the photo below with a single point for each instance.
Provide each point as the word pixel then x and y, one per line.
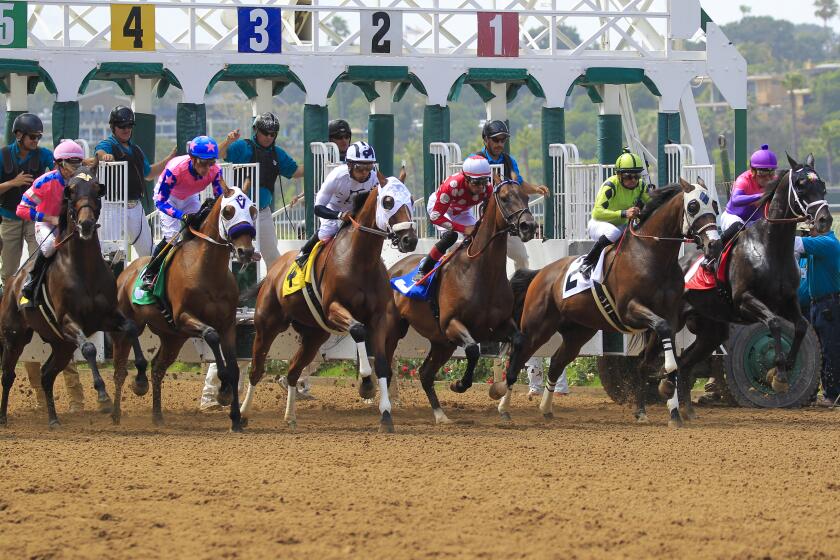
pixel 139 296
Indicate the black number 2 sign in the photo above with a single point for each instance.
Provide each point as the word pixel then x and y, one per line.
pixel 381 33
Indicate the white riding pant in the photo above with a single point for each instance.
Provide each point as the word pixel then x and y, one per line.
pixel 534 368
pixel 517 253
pixel 169 226
pixel 727 219
pixel 328 229
pixel 138 229
pixel 466 219
pixel 45 235
pixel 267 237
pixel 596 229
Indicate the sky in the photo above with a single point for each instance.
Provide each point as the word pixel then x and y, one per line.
pixel 797 11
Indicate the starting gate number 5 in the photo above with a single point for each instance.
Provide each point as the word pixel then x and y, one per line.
pixel 13 25
pixel 132 27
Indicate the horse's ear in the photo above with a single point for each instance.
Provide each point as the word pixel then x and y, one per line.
pixel 226 190
pixel 809 161
pixel 92 163
pixel 381 177
pixel 792 162
pixel 686 186
pixel 701 182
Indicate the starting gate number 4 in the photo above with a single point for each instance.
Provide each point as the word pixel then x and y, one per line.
pixel 381 32
pixel 498 34
pixel 132 27
pixel 259 30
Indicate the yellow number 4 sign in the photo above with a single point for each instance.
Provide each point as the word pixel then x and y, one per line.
pixel 132 27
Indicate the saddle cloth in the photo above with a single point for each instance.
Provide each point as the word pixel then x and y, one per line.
pixel 158 294
pixel 296 278
pixel 698 278
pixel 575 283
pixel 405 285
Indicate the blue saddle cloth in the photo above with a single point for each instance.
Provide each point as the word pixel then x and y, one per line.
pixel 404 285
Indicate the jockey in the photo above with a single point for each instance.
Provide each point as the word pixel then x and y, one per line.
pixel 619 200
pixel 338 131
pixel 334 200
pixel 177 195
pixel 41 204
pixel 450 207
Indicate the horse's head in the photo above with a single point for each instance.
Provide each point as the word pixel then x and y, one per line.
pixel 237 217
pixel 806 194
pixel 394 207
pixel 82 195
pixel 700 212
pixel 513 209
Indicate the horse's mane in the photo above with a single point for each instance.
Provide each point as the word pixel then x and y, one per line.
pixel 658 198
pixel 359 201
pixel 771 188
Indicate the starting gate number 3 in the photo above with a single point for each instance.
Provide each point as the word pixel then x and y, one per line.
pixel 381 32
pixel 498 34
pixel 259 30
pixel 132 27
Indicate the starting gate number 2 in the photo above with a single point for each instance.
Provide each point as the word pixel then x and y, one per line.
pixel 132 27
pixel 381 32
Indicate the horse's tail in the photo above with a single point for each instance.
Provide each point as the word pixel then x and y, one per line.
pixel 250 293
pixel 520 281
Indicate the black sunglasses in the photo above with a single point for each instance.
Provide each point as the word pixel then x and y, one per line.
pixel 124 126
pixel 35 137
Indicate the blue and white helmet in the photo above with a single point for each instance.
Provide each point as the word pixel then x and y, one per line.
pixel 361 152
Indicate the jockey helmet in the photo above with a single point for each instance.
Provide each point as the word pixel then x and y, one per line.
pixel 476 167
pixel 338 127
pixel 628 162
pixel 763 159
pixel 203 147
pixel 494 128
pixel 121 116
pixel 28 124
pixel 361 152
pixel 68 149
pixel 267 123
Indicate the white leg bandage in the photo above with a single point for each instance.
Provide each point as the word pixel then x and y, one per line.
pixel 384 401
pixel 364 363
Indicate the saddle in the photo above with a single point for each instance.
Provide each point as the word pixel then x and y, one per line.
pixel 305 281
pixel 698 278
pixel 157 296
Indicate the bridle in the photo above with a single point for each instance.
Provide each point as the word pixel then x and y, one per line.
pixel 690 235
pixel 513 220
pixel 800 210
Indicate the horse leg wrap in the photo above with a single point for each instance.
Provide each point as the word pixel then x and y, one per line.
pixel 670 358
pixel 358 332
pixel 210 336
pixel 384 401
pixel 89 351
pixel 472 351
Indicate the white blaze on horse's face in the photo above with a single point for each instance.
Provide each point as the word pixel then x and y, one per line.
pixel 696 203
pixel 393 196
pixel 238 215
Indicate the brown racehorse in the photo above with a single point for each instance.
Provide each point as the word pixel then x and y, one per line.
pixel 475 301
pixel 82 293
pixel 646 283
pixel 202 294
pixel 355 297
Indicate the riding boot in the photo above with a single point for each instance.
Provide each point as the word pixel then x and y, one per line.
pixel 152 269
pixel 437 252
pixel 303 255
pixel 710 263
pixel 33 279
pixel 591 258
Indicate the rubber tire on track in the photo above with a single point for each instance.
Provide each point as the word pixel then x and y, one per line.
pixel 619 378
pixel 803 389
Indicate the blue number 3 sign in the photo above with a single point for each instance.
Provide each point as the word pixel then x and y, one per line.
pixel 259 30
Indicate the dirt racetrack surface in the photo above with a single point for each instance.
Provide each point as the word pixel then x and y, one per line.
pixel 734 484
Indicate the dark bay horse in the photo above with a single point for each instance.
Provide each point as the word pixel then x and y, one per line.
pixel 82 293
pixel 475 301
pixel 203 296
pixel 355 297
pixel 644 278
pixel 763 276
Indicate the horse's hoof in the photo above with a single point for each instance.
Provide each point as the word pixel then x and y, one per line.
pixel 458 387
pixel 498 390
pixel 369 402
pixel 386 423
pixel 779 387
pixel 505 416
pixel 140 388
pixel 441 418
pixel 690 414
pixel 55 424
pixel 3 421
pixel 115 419
pixel 244 422
pixel 157 420
pixel 548 416
pixel 236 428
pixel 642 419
pixel 675 421
pixel 292 425
pixel 666 388
pixel 367 390
pixel 105 407
pixel 225 397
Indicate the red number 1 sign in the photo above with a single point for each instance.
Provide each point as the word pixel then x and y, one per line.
pixel 498 34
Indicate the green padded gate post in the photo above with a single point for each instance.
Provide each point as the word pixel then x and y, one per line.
pixel 740 141
pixel 315 119
pixel 668 130
pixel 144 136
pixel 381 137
pixel 553 132
pixel 435 129
pixel 609 138
pixel 65 120
pixel 10 120
pixel 190 121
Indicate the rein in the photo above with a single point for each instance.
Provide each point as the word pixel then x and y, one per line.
pixel 511 219
pixel 209 239
pixel 374 231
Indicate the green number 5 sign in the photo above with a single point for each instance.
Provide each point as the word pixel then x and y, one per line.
pixel 13 25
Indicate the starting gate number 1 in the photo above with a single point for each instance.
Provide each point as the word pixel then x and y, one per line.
pixel 13 25
pixel 381 32
pixel 132 27
pixel 498 34
pixel 259 30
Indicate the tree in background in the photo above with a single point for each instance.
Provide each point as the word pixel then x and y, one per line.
pixel 825 10
pixel 830 136
pixel 792 82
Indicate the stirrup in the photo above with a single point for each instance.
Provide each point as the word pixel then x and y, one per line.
pixel 301 259
pixel 585 270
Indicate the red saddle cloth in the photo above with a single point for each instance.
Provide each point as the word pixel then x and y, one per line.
pixel 702 279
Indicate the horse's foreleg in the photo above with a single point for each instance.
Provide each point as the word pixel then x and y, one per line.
pixel 267 326
pixel 61 355
pixel 120 350
pixel 754 308
pixel 73 333
pixel 311 339
pixel 457 332
pixel 196 328
pixel 438 354
pixel 170 346
pixel 382 325
pixel 638 315
pixel 339 315
pixel 232 374
pixel 573 341
pixel 12 346
pixel 800 329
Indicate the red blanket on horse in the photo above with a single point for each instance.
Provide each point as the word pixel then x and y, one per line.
pixel 698 278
